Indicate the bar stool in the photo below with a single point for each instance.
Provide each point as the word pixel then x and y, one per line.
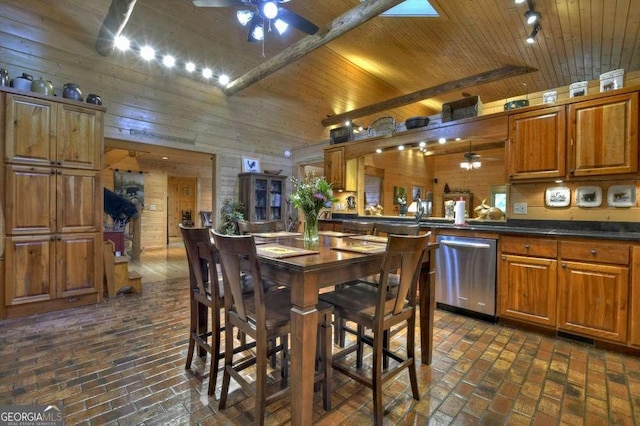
pixel 377 309
pixel 263 317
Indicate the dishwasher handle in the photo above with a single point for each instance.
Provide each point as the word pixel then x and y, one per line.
pixel 465 244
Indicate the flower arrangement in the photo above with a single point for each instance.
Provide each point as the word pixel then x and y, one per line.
pixel 311 194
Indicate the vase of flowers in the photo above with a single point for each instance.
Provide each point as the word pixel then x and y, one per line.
pixel 311 194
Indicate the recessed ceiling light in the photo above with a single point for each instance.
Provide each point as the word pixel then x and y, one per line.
pixel 122 43
pixel 422 144
pixel 207 73
pixel 168 61
pixel 165 158
pixel 378 150
pixel 442 140
pixel 400 147
pixel 147 53
pixel 223 79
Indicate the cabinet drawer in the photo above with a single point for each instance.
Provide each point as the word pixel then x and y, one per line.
pixel 595 251
pixel 529 246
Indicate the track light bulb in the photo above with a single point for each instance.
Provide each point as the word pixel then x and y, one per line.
pixel 532 37
pixel 531 16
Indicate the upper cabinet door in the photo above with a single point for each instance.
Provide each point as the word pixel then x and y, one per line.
pixel 30 130
pixel 604 136
pixel 536 144
pixel 334 167
pixel 79 137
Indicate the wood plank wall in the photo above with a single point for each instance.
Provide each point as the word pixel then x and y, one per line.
pixel 149 104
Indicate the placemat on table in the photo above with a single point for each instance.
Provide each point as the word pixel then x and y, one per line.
pixel 367 248
pixel 275 234
pixel 372 238
pixel 279 251
pixel 335 234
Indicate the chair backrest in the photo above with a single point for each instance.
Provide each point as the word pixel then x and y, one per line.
pixel 202 263
pixel 233 250
pixel 246 227
pixel 404 253
pixel 361 228
pixel 396 228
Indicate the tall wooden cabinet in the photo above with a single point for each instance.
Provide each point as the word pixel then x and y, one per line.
pixel 263 196
pixel 53 203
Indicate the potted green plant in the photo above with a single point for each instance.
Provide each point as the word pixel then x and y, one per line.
pixel 230 214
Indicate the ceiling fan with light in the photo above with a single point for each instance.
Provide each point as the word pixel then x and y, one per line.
pixel 471 160
pixel 260 14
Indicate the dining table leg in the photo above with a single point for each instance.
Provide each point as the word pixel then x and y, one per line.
pixel 427 295
pixel 304 322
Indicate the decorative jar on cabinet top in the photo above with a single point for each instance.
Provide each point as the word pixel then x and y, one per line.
pixel 72 91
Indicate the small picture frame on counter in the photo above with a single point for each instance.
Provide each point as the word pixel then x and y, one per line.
pixel 611 80
pixel 550 97
pixel 578 89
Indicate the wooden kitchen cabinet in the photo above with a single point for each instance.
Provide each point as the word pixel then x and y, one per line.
pixel 634 298
pixel 53 201
pixel 527 282
pixel 263 196
pixel 593 289
pixel 41 132
pixel 59 200
pixel 603 136
pixel 536 144
pixel 593 137
pixel 341 173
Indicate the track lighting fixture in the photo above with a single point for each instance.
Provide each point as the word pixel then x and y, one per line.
pixel 532 18
pixel 532 37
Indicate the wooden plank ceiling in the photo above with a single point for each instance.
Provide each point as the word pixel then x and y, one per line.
pixel 579 40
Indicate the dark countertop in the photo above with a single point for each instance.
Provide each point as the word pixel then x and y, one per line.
pixel 623 231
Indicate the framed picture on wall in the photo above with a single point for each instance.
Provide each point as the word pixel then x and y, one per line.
pixel 416 192
pixel 398 193
pixel 250 165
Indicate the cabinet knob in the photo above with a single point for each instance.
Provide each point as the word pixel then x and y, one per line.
pixel 594 252
pixel 53 163
pixel 59 172
pixel 53 238
pixel 504 257
pixel 564 265
pixel 572 171
pixel 527 246
pixel 59 163
pixel 53 172
pixel 59 238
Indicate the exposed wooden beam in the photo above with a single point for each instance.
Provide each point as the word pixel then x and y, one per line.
pixel 114 23
pixel 484 77
pixel 334 29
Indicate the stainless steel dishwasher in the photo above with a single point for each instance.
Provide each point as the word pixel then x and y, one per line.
pixel 466 275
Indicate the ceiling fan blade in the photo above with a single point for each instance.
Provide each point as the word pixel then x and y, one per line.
pixel 297 21
pixel 218 3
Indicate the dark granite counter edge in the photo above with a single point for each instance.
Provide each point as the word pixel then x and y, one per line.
pixel 624 231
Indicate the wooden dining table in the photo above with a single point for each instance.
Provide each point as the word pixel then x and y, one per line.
pixel 334 260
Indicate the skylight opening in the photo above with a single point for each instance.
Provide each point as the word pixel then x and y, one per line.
pixel 412 8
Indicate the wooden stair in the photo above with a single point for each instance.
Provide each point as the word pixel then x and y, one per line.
pixel 117 276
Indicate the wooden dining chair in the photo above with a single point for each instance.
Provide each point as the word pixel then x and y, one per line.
pixel 263 317
pixel 205 297
pixel 339 326
pixel 384 228
pixel 378 310
pixel 355 227
pixel 246 227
